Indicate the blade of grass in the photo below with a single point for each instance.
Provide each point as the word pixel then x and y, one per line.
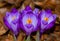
pixel 37 36
pixel 28 38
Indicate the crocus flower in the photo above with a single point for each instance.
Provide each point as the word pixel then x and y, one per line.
pixel 47 19
pixel 11 20
pixel 29 20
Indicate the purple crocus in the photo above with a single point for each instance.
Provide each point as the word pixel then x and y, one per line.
pixel 47 20
pixel 11 20
pixel 29 20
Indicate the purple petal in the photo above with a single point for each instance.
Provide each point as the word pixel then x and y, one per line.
pixel 54 15
pixel 12 24
pixel 42 14
pixel 45 25
pixel 29 26
pixel 14 10
pixel 48 11
pixel 50 25
pixel 44 22
pixel 28 8
pixel 10 27
pixel 28 30
pixel 33 18
pixel 36 11
pixel 52 18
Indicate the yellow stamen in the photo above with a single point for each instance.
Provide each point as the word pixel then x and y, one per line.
pixel 29 21
pixel 46 19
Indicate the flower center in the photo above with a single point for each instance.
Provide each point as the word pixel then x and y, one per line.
pixel 46 19
pixel 29 21
pixel 13 18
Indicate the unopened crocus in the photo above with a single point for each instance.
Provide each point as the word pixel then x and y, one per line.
pixel 29 20
pixel 11 20
pixel 47 20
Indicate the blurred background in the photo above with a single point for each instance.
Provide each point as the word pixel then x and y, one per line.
pixel 7 5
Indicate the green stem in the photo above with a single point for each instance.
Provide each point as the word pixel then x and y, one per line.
pixel 37 36
pixel 15 39
pixel 28 38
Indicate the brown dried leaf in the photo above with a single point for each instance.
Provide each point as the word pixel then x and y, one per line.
pixel 3 28
pixel 2 4
pixel 21 36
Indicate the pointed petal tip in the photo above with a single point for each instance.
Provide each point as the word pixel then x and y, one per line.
pixel 55 15
pixel 14 10
pixel 28 8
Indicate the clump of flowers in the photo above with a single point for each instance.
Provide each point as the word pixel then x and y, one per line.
pixel 29 20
